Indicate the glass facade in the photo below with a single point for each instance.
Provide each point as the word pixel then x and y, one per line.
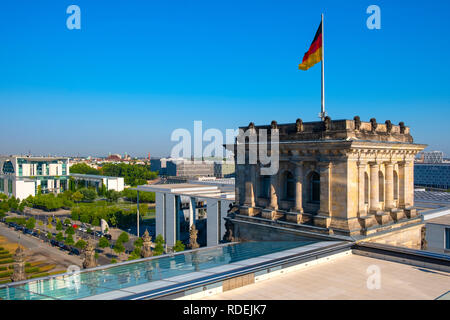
pixel 432 175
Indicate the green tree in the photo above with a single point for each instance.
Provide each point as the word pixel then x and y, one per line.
pixel 159 245
pixel 138 243
pixel 67 221
pixel 88 194
pixel 119 247
pixel 69 240
pixel 179 246
pixel 49 235
pixel 59 237
pixel 77 196
pixel 112 195
pixel 31 223
pixel 70 231
pixel 59 225
pixel 123 238
pixel 103 243
pixel 81 244
pixel 83 168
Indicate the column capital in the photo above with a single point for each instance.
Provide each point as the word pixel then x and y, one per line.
pixel 362 164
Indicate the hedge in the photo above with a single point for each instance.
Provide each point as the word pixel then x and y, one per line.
pixel 5 281
pixel 6 261
pixel 6 274
pixel 38 275
pixel 4 256
pixel 32 270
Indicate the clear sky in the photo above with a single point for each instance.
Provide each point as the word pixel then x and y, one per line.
pixel 137 70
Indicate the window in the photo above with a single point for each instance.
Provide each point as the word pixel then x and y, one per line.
pixel 447 238
pixel 289 185
pixel 314 194
pixel 395 185
pixel 264 187
pixel 381 186
pixel 2 185
pixel 8 167
pixel 10 187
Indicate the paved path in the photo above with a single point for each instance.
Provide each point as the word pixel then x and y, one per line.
pixel 36 245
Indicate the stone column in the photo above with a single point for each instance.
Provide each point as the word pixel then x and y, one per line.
pixel 325 188
pixel 250 187
pixel 298 187
pixel 409 184
pixel 374 188
pixel 273 192
pixel 361 189
pixel 389 186
pixel 402 184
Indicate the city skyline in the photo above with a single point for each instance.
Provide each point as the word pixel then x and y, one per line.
pixel 135 72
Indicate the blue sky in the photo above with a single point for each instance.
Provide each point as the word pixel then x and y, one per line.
pixel 137 70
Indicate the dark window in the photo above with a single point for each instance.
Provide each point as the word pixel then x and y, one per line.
pixel 447 238
pixel 315 187
pixel 289 186
pixel 264 187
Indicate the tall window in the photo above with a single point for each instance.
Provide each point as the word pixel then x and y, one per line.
pixel 8 167
pixel 264 187
pixel 447 238
pixel 314 181
pixel 366 188
pixel 381 186
pixel 395 185
pixel 289 186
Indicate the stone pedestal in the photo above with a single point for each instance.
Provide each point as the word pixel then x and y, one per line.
pixel 248 211
pixel 19 265
pixel 383 218
pixel 271 214
pixel 397 214
pixel 193 238
pixel 89 256
pixel 294 217
pixel 411 212
pixel 367 221
pixel 322 221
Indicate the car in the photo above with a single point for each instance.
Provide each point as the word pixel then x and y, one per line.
pixel 35 234
pixel 27 231
pixel 75 251
pixel 53 242
pixel 107 236
pixel 98 234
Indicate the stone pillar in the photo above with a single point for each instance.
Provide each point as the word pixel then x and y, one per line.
pixel 323 217
pixel 361 189
pixel 273 192
pixel 402 184
pixel 374 188
pixel 409 184
pixel 389 186
pixel 250 188
pixel 146 250
pixel 170 220
pixel 298 187
pixel 325 188
pixel 19 265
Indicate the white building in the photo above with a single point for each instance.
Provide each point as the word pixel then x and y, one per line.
pixel 438 233
pixel 22 176
pixel 91 180
pixel 189 202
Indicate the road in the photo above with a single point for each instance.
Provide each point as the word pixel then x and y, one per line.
pixel 36 245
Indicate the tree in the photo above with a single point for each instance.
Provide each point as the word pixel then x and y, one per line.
pixel 69 240
pixel 70 231
pixel 112 195
pixel 179 246
pixel 123 237
pixel 59 225
pixel 88 194
pixel 103 243
pixel 31 223
pixel 59 237
pixel 77 196
pixel 159 245
pixel 67 221
pixel 119 247
pixel 83 168
pixel 81 244
pixel 138 243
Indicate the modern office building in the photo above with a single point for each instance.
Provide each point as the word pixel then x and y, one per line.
pixel 96 181
pixel 431 157
pixel 432 175
pixel 224 170
pixel 22 176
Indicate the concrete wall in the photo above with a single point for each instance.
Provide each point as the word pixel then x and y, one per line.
pixel 435 236
pixel 23 189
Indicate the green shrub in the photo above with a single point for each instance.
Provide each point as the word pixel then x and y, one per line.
pixel 6 261
pixel 4 256
pixel 39 275
pixel 32 270
pixel 6 274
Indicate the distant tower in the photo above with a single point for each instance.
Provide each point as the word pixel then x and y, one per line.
pixel 149 156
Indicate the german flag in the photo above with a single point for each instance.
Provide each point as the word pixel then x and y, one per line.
pixel 314 54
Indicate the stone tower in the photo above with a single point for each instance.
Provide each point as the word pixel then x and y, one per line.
pixel 146 250
pixel 89 256
pixel 19 265
pixel 341 177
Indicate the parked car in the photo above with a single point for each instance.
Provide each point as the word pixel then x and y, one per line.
pixel 107 236
pixel 74 251
pixel 53 242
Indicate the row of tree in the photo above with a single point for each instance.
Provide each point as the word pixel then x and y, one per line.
pixel 133 174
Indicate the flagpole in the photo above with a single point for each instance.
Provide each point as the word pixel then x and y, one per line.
pixel 322 113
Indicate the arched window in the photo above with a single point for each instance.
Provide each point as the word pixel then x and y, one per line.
pixel 395 185
pixel 8 167
pixel 381 186
pixel 314 182
pixel 289 186
pixel 366 188
pixel 264 187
